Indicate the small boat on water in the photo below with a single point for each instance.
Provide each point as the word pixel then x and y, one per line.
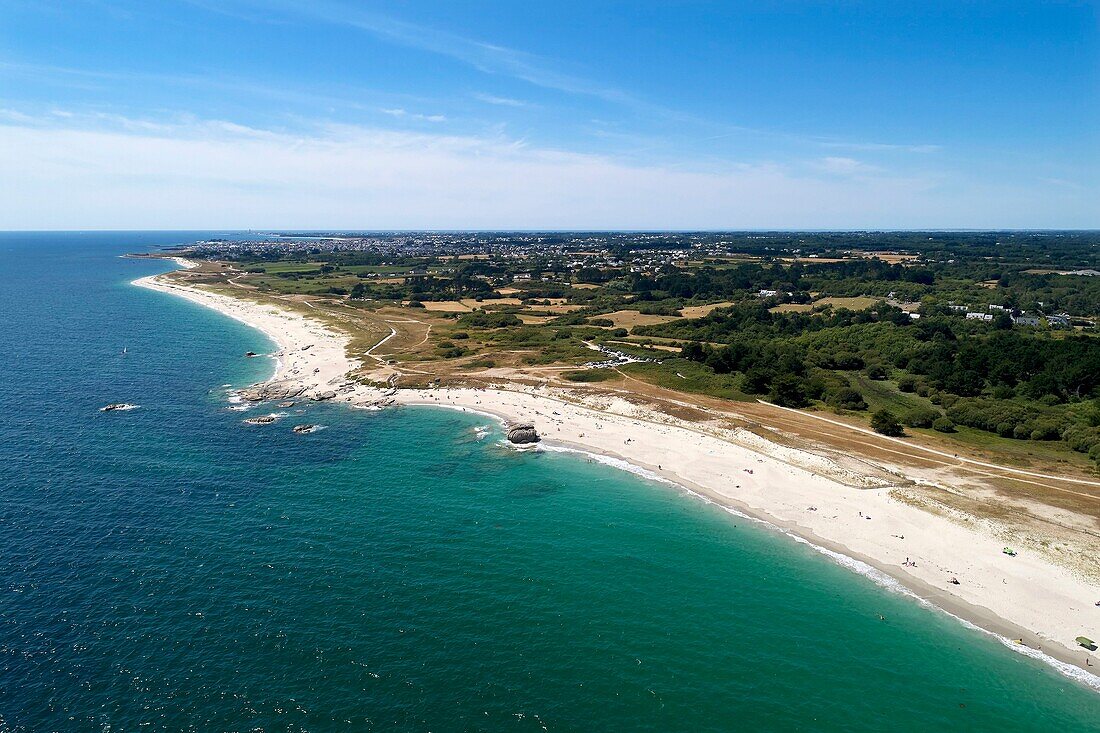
pixel 117 406
pixel 1087 643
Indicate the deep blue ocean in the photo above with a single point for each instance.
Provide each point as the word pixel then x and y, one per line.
pixel 172 569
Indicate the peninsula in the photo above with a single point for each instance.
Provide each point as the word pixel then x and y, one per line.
pixel 840 391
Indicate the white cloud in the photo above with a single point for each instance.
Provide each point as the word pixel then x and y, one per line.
pixel 845 166
pixel 401 113
pixel 880 147
pixel 500 101
pixel 98 173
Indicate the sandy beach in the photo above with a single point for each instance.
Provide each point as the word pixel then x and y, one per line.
pixel 867 528
pixel 308 352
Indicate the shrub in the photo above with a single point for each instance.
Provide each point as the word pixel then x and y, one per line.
pixel 415 304
pixel 876 371
pixel 1046 430
pixel 920 417
pixel 459 335
pixel 886 423
pixel 1080 438
pixel 481 319
pixel 907 384
pixel 590 375
pixel 605 322
pixel 1022 431
pixel 943 425
pixel 620 333
pixel 847 398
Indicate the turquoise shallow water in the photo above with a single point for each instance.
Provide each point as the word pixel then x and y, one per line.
pixel 171 569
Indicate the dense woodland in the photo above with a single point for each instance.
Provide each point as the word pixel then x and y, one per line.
pixel 1018 383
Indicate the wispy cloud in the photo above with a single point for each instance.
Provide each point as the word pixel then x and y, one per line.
pixel 403 114
pixel 842 166
pixel 500 101
pixel 100 80
pixel 880 147
pixel 194 173
pixel 486 57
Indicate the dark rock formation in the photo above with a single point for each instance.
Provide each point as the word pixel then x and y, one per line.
pixel 522 432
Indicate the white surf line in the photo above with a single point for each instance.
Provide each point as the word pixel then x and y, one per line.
pixel 899 441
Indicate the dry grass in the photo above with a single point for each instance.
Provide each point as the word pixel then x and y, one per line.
pixel 630 319
pixel 559 309
pixel 446 306
pixel 792 308
pixel 698 311
pixel 856 304
pixel 474 304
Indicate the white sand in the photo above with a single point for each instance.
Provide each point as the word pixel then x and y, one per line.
pixel 308 351
pixel 1026 596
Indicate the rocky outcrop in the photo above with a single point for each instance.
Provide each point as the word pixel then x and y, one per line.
pixel 322 396
pixel 272 391
pixel 307 428
pixel 521 433
pixel 261 420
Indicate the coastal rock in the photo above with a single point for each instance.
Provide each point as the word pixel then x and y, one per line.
pixel 272 391
pixel 250 353
pixel 322 396
pixel 522 433
pixel 261 420
pixel 307 428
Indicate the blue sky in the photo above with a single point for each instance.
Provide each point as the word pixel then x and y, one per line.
pixel 674 115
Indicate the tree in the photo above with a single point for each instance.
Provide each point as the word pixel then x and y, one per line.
pixel 756 381
pixel 886 422
pixel 788 391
